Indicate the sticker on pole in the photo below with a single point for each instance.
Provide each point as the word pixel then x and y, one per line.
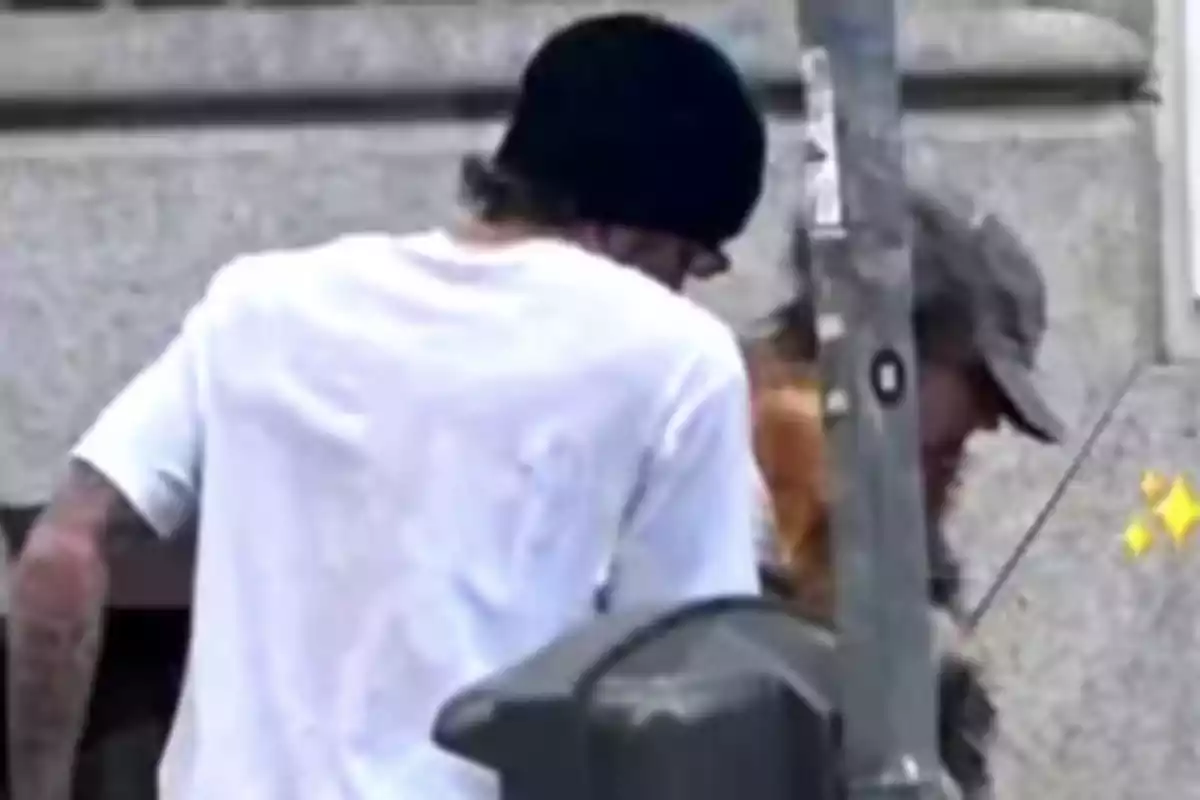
pixel 823 183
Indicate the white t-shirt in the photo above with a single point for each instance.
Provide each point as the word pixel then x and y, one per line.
pixel 414 461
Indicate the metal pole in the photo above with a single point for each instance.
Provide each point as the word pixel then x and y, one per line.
pixel 860 228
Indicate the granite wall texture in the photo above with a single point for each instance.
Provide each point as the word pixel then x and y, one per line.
pixel 108 231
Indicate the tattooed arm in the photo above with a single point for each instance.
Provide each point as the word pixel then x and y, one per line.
pixel 59 587
pixel 142 453
pixel 135 474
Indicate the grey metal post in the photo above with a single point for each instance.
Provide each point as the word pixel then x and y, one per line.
pixel 859 221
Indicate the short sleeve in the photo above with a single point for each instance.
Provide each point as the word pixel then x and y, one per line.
pixel 148 442
pixel 694 527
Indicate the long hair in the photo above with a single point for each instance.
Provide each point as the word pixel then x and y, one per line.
pixel 941 321
pixel 790 448
pixel 789 445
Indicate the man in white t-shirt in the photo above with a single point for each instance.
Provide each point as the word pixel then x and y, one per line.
pixel 414 459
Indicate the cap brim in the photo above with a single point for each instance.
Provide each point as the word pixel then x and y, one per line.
pixel 1026 407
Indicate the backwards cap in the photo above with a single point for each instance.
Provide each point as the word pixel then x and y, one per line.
pixel 640 122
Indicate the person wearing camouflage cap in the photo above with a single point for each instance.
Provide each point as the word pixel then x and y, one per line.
pixel 979 316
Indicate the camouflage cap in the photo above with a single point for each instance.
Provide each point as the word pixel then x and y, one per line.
pixel 972 280
pixel 975 261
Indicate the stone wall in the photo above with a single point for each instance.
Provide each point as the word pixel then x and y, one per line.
pixel 137 153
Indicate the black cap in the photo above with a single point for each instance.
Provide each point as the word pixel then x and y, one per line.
pixel 638 121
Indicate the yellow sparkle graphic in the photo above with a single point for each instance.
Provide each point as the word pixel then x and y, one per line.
pixel 1179 511
pixel 1170 506
pixel 1138 538
pixel 1154 486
